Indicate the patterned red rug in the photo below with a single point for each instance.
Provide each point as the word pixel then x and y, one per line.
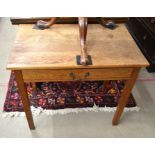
pixel 61 95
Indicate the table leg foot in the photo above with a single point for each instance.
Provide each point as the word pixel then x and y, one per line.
pixel 32 128
pixel 114 122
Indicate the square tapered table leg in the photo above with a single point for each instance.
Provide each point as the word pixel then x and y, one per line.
pixel 125 96
pixel 24 97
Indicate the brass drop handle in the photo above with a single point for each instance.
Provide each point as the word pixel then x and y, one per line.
pixel 72 75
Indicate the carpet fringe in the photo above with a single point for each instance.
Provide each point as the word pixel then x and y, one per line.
pixel 38 111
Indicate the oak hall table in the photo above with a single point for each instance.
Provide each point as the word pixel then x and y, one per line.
pixel 50 55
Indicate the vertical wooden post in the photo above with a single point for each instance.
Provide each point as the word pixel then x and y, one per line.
pixel 125 96
pixel 83 35
pixel 24 97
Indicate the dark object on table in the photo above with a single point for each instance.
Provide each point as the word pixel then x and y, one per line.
pixel 78 60
pixel 143 31
pixel 65 20
pixel 41 24
pixel 108 23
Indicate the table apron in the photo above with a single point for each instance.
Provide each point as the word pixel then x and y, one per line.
pixel 77 74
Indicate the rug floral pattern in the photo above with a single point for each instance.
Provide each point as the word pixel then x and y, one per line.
pixel 59 95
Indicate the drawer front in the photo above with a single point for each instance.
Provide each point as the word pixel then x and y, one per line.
pixel 76 74
pixel 143 36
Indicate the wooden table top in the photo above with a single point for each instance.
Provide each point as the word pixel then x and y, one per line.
pixel 57 47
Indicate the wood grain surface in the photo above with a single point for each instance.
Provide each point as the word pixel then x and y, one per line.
pixel 57 47
pixel 76 74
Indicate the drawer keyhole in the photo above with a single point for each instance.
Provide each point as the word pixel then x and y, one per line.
pixel 144 37
pixel 87 75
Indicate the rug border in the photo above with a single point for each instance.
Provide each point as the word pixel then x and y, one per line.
pixel 40 111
